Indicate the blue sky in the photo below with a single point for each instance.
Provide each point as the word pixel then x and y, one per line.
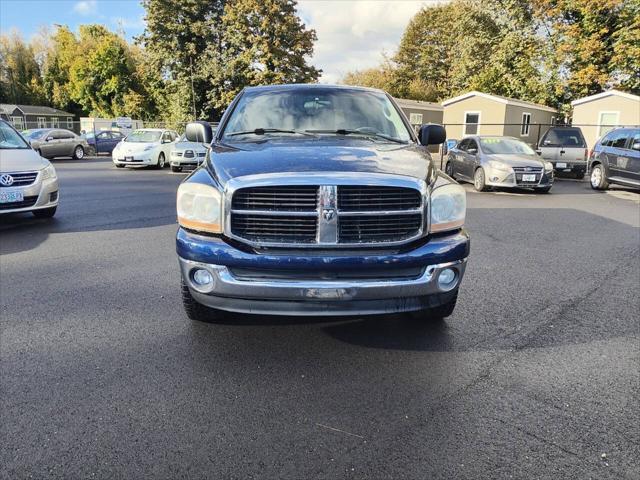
pixel 352 34
pixel 29 15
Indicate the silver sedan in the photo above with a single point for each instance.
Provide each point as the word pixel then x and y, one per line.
pixel 488 161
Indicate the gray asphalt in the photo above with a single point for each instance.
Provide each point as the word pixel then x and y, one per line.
pixel 536 375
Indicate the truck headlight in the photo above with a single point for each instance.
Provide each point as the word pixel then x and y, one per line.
pixel 48 172
pixel 199 207
pixel 503 167
pixel 448 208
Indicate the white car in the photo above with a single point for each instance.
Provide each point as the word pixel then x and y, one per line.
pixel 187 155
pixel 145 147
pixel 28 182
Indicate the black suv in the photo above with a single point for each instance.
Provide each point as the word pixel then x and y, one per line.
pixel 616 159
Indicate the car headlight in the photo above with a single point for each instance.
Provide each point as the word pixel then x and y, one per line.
pixel 48 172
pixel 448 208
pixel 199 207
pixel 503 167
pixel 548 166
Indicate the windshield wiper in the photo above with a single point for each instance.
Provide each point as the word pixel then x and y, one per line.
pixel 342 131
pixel 262 131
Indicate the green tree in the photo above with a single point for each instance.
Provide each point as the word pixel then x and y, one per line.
pixel 20 78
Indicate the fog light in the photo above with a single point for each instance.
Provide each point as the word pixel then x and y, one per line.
pixel 202 277
pixel 494 179
pixel 447 279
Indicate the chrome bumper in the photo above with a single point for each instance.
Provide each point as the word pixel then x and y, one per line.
pixel 306 297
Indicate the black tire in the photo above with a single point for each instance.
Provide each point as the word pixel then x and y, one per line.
pixel 78 153
pixel 598 179
pixel 195 310
pixel 543 190
pixel 161 161
pixel 479 180
pixel 176 169
pixel 448 169
pixel 119 165
pixel 45 212
pixel 437 314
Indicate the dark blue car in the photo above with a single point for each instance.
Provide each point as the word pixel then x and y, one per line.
pixel 104 142
pixel 616 159
pixel 319 200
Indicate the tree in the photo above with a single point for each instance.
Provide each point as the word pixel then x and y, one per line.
pixel 265 42
pixel 20 79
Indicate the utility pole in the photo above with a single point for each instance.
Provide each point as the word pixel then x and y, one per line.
pixel 193 95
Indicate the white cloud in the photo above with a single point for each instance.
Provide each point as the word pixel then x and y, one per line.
pixel 86 7
pixel 353 34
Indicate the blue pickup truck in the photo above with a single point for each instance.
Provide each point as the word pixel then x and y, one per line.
pixel 319 200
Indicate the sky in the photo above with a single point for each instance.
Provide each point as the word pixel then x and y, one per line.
pixel 352 34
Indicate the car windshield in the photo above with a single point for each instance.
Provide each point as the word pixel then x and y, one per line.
pixel 315 111
pixel 10 139
pixel 563 137
pixel 33 134
pixel 144 136
pixel 505 146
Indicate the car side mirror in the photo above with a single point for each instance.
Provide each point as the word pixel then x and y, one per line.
pixel 199 132
pixel 48 139
pixel 539 152
pixel 635 146
pixel 166 140
pixel 472 151
pixel 432 134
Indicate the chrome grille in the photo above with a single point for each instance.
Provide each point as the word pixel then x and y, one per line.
pixel 364 198
pixel 383 228
pixel 286 198
pixel 22 179
pixel 275 228
pixel 341 214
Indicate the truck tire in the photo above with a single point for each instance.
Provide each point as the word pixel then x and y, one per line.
pixel 437 314
pixel 195 310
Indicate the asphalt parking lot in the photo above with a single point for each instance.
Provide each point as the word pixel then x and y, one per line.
pixel 536 375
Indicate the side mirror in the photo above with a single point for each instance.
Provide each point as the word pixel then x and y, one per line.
pixel 635 146
pixel 199 132
pixel 539 152
pixel 472 151
pixel 166 140
pixel 48 139
pixel 432 134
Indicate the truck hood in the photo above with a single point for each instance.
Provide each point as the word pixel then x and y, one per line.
pixel 319 155
pixel 21 160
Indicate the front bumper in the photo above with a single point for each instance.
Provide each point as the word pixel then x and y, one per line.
pixel 41 194
pixel 502 178
pixel 318 296
pixel 141 158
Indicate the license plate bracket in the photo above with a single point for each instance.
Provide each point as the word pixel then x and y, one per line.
pixel 528 177
pixel 561 165
pixel 12 196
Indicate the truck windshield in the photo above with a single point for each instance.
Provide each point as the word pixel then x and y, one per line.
pixel 505 146
pixel 10 139
pixel 318 111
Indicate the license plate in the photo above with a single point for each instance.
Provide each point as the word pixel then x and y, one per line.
pixel 128 159
pixel 528 177
pixel 11 197
pixel 561 165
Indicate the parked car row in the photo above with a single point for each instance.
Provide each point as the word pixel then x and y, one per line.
pixel 56 142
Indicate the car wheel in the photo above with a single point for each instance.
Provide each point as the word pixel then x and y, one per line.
pixel 195 310
pixel 598 180
pixel 479 182
pixel 78 153
pixel 161 160
pixel 448 169
pixel 437 314
pixel 119 165
pixel 176 169
pixel 45 212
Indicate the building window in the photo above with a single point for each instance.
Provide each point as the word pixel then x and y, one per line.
pixel 70 123
pixel 471 123
pixel 42 122
pixel 607 121
pixel 18 123
pixel 526 124
pixel 415 119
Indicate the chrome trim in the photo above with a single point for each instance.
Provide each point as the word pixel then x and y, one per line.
pixel 327 183
pixel 226 285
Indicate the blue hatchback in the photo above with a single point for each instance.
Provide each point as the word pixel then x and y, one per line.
pixel 616 159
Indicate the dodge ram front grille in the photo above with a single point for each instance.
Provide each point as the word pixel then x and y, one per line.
pixel 326 215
